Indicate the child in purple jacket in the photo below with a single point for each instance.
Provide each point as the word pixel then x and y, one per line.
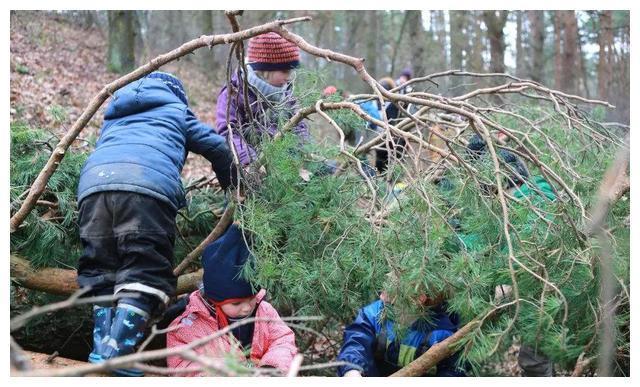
pixel 271 59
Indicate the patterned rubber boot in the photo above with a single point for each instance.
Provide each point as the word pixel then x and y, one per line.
pixel 102 316
pixel 127 329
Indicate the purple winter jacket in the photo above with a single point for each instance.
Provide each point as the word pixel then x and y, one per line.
pixel 239 119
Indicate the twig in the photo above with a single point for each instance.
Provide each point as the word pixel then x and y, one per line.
pixel 218 230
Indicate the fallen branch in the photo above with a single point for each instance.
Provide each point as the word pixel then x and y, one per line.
pixel 436 353
pixel 221 226
pixel 64 281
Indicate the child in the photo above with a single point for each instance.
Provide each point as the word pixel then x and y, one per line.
pixel 271 59
pixel 373 348
pixel 129 194
pixel 225 298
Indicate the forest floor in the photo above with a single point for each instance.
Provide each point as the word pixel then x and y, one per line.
pixel 56 68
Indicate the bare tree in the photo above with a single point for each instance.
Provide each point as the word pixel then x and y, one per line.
pixel 372 42
pixel 605 40
pixel 570 52
pixel 456 25
pixel 558 29
pixel 520 66
pixel 536 20
pixel 477 48
pixel 495 21
pixel 416 37
pixel 121 52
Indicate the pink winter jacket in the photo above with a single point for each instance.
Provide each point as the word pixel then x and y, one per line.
pixel 273 341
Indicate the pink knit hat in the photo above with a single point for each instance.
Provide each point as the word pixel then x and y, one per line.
pixel 270 51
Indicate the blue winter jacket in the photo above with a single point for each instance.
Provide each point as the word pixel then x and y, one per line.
pixel 371 343
pixel 144 141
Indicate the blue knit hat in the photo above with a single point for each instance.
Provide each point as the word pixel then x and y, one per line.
pixel 477 147
pixel 222 261
pixel 174 84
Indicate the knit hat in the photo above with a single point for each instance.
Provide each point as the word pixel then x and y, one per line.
pixel 222 261
pixel 174 84
pixel 407 73
pixel 271 52
pixel 478 147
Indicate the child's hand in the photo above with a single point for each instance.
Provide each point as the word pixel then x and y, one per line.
pixel 353 373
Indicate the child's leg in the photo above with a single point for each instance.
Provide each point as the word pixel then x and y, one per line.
pixel 144 229
pixel 99 261
pixel 98 264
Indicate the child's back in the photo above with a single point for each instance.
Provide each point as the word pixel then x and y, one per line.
pixel 147 133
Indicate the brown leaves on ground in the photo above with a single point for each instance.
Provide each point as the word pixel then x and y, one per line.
pixel 57 67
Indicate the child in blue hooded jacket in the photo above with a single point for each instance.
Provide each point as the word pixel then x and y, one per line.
pixel 128 195
pixel 373 347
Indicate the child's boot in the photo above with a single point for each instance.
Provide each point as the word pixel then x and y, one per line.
pixel 102 316
pixel 127 329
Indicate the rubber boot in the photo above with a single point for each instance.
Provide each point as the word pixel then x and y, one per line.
pixel 127 330
pixel 102 316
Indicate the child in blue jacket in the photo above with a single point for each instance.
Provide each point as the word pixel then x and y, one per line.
pixel 372 346
pixel 128 195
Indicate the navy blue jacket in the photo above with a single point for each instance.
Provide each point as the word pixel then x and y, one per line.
pixel 371 343
pixel 144 141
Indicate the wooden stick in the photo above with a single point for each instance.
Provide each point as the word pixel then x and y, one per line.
pixel 221 226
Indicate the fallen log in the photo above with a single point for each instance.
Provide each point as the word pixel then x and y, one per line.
pixel 45 361
pixel 63 281
pixel 42 361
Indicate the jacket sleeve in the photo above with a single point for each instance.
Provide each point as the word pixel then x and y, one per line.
pixel 281 345
pixel 359 342
pixel 223 123
pixel 203 140
pixel 177 338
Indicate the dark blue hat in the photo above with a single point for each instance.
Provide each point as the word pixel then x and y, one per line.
pixel 222 261
pixel 174 84
pixel 478 147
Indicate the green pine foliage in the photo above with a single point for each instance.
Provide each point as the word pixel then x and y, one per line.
pixel 317 253
pixel 48 235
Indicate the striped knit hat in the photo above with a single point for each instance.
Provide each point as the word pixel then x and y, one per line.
pixel 271 52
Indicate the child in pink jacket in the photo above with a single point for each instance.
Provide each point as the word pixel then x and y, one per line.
pixel 225 298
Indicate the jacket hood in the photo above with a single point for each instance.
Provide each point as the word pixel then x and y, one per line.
pixel 139 96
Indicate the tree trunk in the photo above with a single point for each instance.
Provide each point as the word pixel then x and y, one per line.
pixel 372 44
pixel 441 34
pixel 605 40
pixel 477 48
pixel 64 282
pixel 536 19
pixel 207 57
pixel 495 21
pixel 398 44
pixel 456 25
pixel 557 48
pixel 570 55
pixel 416 37
pixel 520 66
pixel 121 55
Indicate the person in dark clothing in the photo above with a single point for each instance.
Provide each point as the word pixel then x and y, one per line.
pixel 129 194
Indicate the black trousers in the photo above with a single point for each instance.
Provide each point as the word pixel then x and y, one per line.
pixel 128 240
